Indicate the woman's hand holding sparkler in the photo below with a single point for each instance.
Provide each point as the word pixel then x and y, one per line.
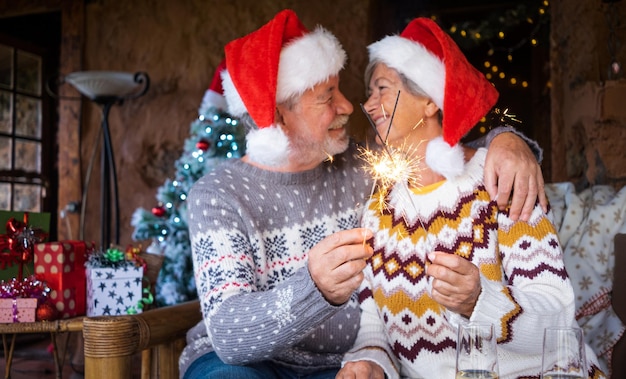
pixel 456 282
pixel 510 162
pixel 336 263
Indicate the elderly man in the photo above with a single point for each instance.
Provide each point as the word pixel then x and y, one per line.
pixel 275 236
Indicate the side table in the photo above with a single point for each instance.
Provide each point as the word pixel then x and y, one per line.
pixel 53 327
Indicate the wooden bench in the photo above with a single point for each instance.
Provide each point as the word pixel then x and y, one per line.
pixel 112 343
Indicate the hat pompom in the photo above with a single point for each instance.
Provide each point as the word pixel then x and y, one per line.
pixel 444 159
pixel 268 146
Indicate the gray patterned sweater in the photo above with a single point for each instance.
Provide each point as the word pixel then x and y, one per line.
pixel 251 230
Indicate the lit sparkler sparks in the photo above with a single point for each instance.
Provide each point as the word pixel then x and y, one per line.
pixel 390 166
pixel 500 117
pixel 329 158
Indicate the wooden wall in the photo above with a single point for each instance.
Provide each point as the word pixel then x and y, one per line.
pixel 179 44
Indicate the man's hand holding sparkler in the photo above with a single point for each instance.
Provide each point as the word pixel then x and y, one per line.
pixel 501 173
pixel 336 263
pixel 361 370
pixel 455 283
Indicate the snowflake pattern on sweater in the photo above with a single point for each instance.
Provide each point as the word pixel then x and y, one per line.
pixel 251 230
pixel 524 283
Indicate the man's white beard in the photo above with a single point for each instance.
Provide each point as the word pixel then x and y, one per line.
pixel 305 151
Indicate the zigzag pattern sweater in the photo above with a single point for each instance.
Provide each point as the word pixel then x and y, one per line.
pixel 251 230
pixel 525 287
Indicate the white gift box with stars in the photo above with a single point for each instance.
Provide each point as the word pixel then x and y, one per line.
pixel 114 291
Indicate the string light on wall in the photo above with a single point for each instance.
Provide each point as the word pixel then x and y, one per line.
pixel 495 31
pixel 500 43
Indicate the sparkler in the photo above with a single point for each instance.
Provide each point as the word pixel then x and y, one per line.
pixel 391 165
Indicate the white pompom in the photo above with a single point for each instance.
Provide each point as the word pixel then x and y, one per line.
pixel 444 159
pixel 268 146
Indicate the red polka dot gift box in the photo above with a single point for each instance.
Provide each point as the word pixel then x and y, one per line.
pixel 62 266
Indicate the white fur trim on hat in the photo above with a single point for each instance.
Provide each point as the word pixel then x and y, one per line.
pixel 210 100
pixel 268 146
pixel 235 104
pixel 307 61
pixel 415 62
pixel 446 160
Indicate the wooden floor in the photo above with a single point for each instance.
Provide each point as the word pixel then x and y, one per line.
pixel 33 358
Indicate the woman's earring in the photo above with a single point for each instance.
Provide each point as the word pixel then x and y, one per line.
pixel 419 123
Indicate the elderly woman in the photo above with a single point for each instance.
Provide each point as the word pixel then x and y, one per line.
pixel 444 254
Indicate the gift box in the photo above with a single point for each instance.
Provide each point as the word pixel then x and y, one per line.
pixel 17 310
pixel 114 291
pixel 62 266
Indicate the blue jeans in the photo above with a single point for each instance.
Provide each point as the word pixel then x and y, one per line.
pixel 210 366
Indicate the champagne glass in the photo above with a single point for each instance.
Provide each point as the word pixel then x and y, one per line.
pixel 476 354
pixel 563 354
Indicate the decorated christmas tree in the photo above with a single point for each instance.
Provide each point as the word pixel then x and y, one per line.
pixel 214 136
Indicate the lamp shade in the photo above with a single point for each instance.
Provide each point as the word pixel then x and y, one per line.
pixel 108 84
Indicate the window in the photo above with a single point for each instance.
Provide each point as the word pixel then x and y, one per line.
pixel 23 182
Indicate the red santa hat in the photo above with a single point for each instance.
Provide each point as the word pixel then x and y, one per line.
pixel 214 95
pixel 427 55
pixel 280 60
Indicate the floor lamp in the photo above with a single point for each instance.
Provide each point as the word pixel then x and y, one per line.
pixel 107 88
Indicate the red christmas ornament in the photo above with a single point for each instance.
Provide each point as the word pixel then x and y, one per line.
pixel 158 211
pixel 47 312
pixel 203 145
